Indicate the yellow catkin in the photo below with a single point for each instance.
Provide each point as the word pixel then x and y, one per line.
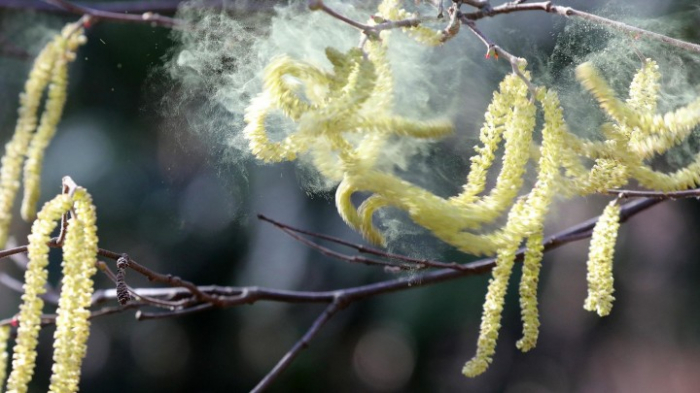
pixel 4 338
pixel 525 220
pixel 366 210
pixel 63 373
pixel 637 135
pixel 528 292
pixel 66 45
pixel 345 129
pixel 15 149
pixel 493 306
pixel 661 132
pixel 72 325
pixel 493 309
pixel 518 125
pixel 644 89
pixel 49 66
pixel 490 137
pixel 600 261
pixel 345 122
pixel 606 97
pixel 24 353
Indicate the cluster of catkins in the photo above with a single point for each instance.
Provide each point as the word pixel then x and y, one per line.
pixel 32 135
pixel 78 236
pixel 344 120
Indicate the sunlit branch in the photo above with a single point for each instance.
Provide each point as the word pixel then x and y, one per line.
pixel 625 194
pixel 550 7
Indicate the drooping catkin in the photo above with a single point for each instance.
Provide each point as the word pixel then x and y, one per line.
pixel 600 261
pixel 24 353
pixel 28 141
pixel 528 292
pixel 495 299
pixel 346 129
pixel 72 325
pixel 15 149
pixel 66 45
pixel 4 338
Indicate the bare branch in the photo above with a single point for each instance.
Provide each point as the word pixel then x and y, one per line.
pixel 50 319
pixel 96 15
pixel 300 345
pixel 347 296
pixel 483 5
pixel 625 194
pixel 207 297
pixel 368 30
pixel 495 50
pixel 410 263
pixel 162 278
pixel 550 7
pixel 143 316
pixel 167 7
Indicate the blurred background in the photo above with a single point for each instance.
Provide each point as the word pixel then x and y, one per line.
pixel 158 148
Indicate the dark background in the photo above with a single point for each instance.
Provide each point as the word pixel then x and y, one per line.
pixel 175 203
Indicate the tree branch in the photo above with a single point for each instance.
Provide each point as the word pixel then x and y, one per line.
pixel 409 263
pixel 626 194
pixel 550 7
pixel 96 15
pixel 299 346
pixel 208 297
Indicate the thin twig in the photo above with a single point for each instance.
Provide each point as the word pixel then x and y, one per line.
pixel 162 278
pixel 337 299
pixel 12 251
pixel 350 295
pixel 691 47
pixel 95 15
pixel 550 7
pixel 50 319
pixel 143 316
pixel 345 19
pixel 368 30
pixel 626 194
pixel 412 263
pixel 483 5
pixel 492 48
pixel 233 296
pixel 348 258
pixel 50 295
pixel 299 346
